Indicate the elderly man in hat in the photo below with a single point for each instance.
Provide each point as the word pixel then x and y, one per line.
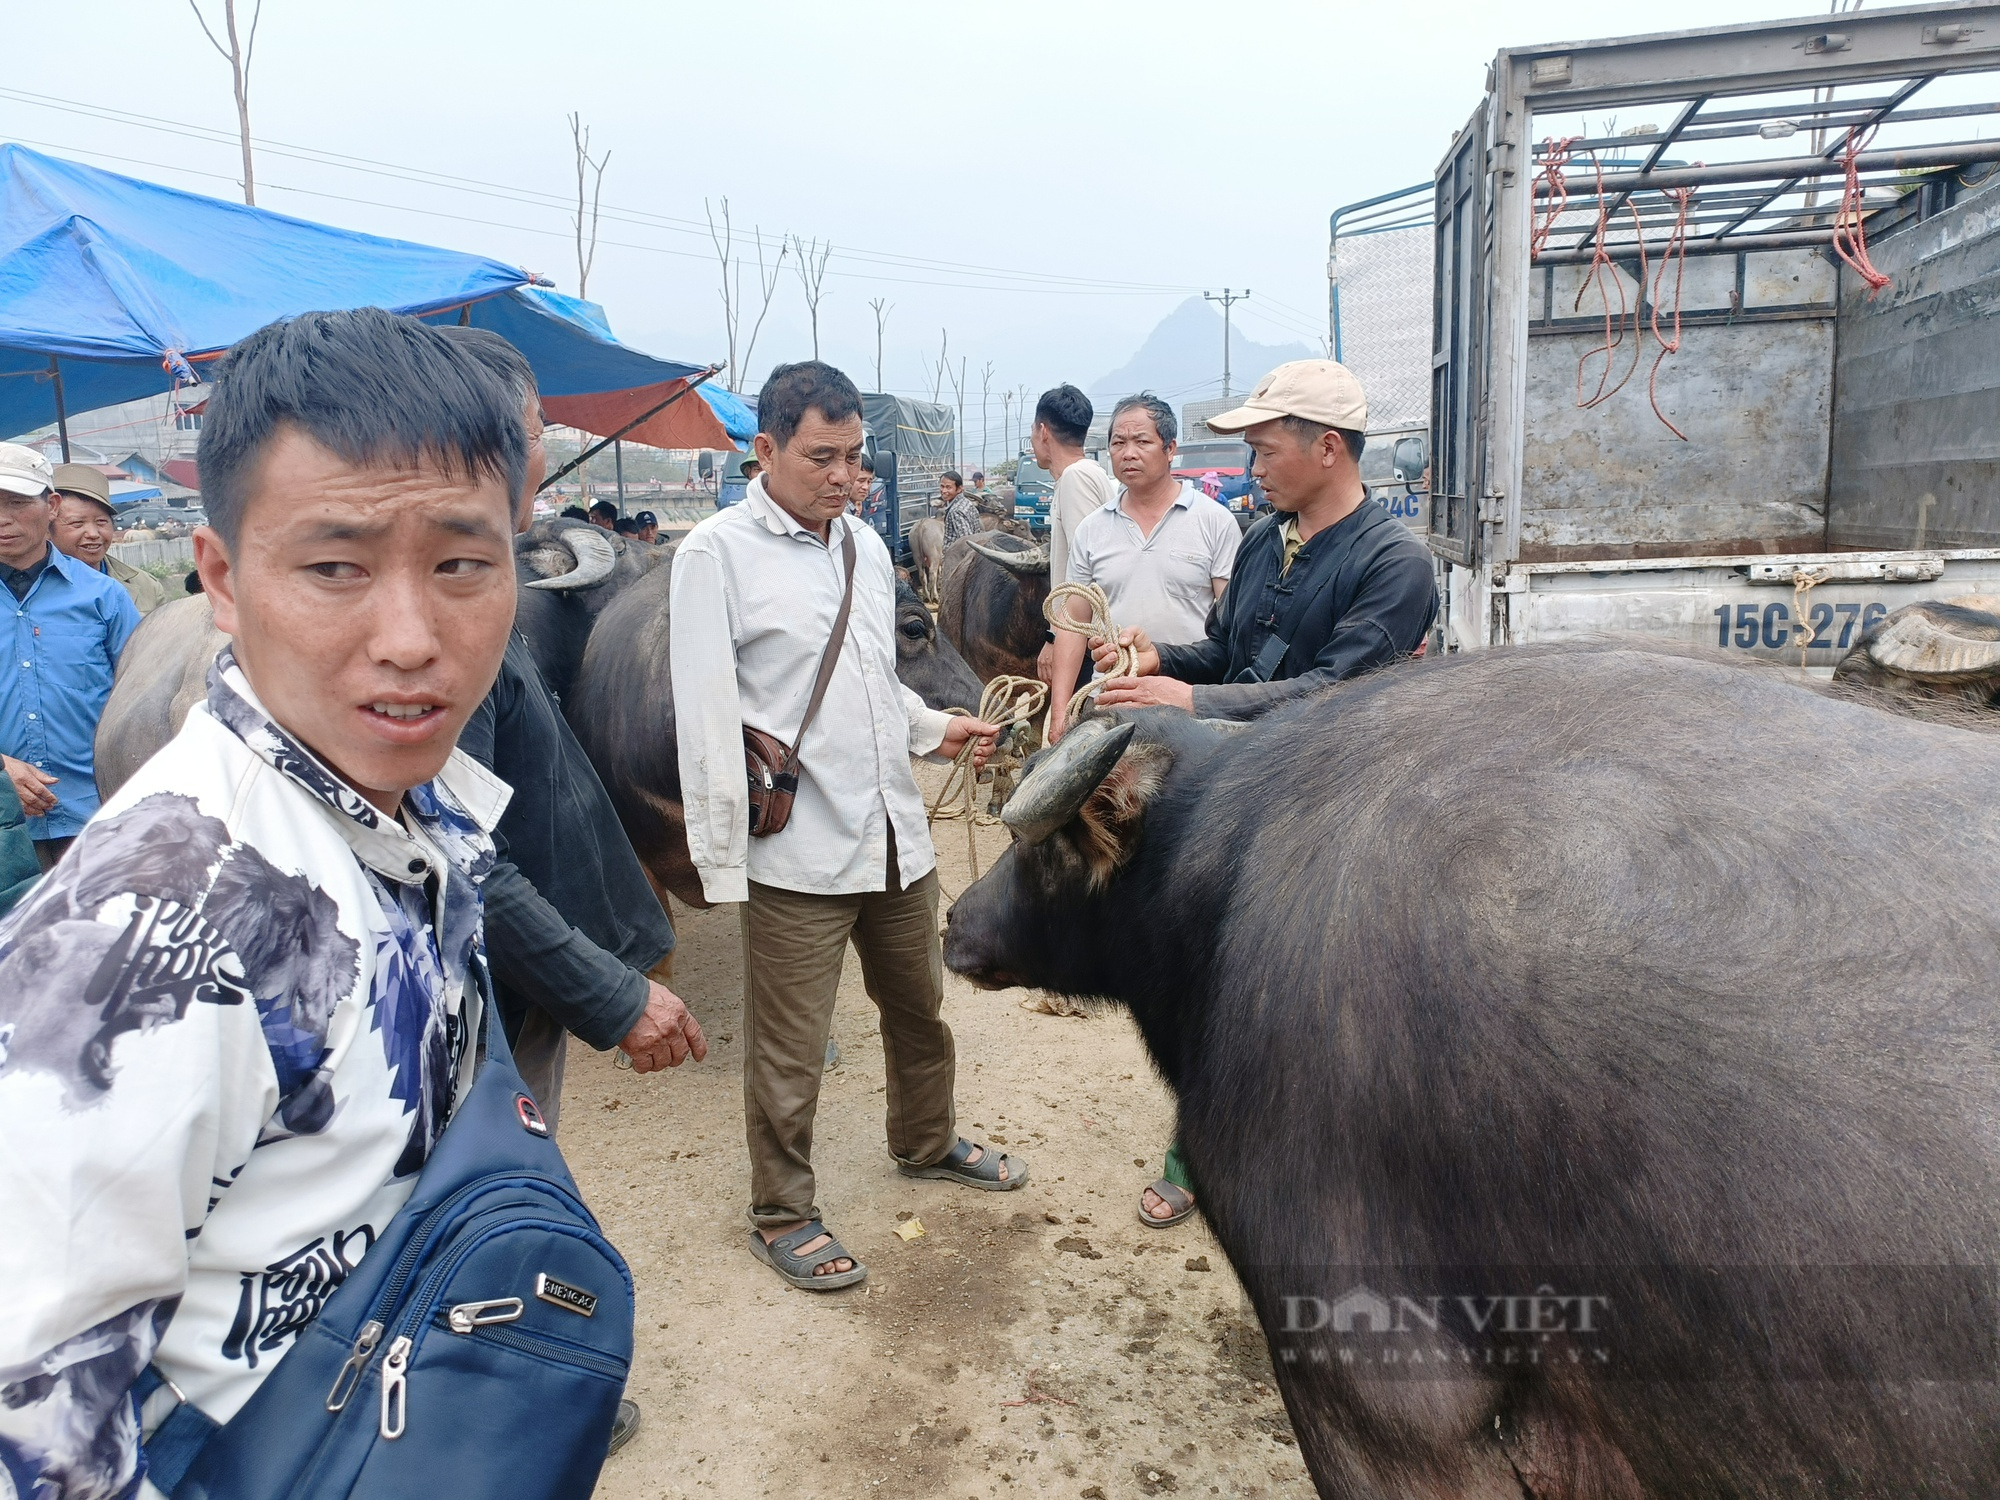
pixel 70 624
pixel 85 525
pixel 1326 587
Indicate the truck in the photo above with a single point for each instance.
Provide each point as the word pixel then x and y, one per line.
pixel 1744 395
pixel 912 443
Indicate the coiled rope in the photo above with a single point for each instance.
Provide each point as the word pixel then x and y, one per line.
pixel 1097 628
pixel 1007 701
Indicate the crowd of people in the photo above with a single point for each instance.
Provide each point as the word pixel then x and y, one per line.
pixel 380 829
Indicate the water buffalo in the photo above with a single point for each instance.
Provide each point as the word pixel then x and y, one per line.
pixel 1937 650
pixel 163 672
pixel 622 709
pixel 568 571
pixel 927 556
pixel 1586 1057
pixel 990 602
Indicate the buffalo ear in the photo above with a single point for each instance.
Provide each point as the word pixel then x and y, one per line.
pixel 1106 827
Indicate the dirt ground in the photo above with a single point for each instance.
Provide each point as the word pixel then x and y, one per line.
pixel 1041 1341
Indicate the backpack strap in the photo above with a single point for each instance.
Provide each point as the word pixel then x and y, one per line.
pixel 177 1442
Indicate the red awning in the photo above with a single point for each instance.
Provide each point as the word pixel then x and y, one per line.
pixel 688 423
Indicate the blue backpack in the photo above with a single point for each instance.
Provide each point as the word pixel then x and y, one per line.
pixel 480 1348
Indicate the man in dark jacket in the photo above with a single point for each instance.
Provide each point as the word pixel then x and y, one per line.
pixel 1326 587
pixel 576 937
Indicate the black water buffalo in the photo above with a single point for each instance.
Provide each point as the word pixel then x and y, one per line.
pixel 990 594
pixel 622 710
pixel 1587 1058
pixel 1944 651
pixel 569 571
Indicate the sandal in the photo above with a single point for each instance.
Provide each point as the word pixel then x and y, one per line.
pixel 797 1270
pixel 983 1174
pixel 1178 1199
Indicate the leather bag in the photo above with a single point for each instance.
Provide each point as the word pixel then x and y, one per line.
pixel 773 766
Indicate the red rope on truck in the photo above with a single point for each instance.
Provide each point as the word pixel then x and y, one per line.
pixel 1557 194
pixel 1676 252
pixel 1599 259
pixel 1850 240
pixel 1610 344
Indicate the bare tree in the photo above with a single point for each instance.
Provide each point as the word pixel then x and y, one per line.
pixel 958 394
pixel 724 240
pixel 1007 423
pixel 237 54
pixel 1027 425
pixel 811 266
pixel 944 356
pixel 589 174
pixel 882 309
pixel 985 419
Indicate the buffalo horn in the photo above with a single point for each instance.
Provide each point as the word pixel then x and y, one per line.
pixel 1060 782
pixel 1919 646
pixel 1029 560
pixel 595 558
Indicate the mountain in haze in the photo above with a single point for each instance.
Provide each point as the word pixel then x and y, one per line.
pixel 1181 359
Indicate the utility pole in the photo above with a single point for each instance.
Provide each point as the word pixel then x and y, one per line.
pixel 1228 299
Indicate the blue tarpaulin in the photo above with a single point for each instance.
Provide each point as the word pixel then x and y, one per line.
pixel 132 286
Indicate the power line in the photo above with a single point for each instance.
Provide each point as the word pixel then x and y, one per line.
pixel 425 177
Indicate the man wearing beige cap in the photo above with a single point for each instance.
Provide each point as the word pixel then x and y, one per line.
pixel 85 525
pixel 69 624
pixel 1327 587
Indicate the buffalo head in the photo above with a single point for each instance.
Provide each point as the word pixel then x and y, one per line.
pixel 1940 650
pixel 990 591
pixel 568 571
pixel 927 663
pixel 1046 913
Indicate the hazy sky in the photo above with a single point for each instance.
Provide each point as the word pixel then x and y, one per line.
pixel 1044 180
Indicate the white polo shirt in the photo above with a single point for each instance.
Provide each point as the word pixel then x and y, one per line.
pixel 1159 583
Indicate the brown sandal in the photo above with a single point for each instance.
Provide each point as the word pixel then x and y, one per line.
pixel 1178 1199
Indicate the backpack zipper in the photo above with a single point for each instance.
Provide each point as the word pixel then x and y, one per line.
pixel 395 1388
pixel 349 1378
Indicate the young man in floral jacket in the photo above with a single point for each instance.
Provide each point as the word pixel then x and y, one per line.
pixel 236 1017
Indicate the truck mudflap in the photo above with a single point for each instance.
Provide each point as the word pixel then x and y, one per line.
pixel 1799 609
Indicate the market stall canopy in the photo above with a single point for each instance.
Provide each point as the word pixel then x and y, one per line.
pixel 592 382
pixel 131 287
pixel 126 282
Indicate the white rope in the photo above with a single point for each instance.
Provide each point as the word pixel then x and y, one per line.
pixel 1097 628
pixel 1007 701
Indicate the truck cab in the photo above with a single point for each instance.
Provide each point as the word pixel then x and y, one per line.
pixel 1034 491
pixel 1396 468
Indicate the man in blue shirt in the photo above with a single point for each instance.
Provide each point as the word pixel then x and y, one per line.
pixel 70 622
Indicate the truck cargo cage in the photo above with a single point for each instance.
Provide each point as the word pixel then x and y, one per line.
pixel 1719 294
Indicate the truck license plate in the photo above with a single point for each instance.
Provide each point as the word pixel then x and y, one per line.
pixel 1770 626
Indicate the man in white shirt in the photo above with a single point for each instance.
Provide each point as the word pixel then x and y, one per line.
pixel 1062 424
pixel 1162 551
pixel 239 1013
pixel 756 591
